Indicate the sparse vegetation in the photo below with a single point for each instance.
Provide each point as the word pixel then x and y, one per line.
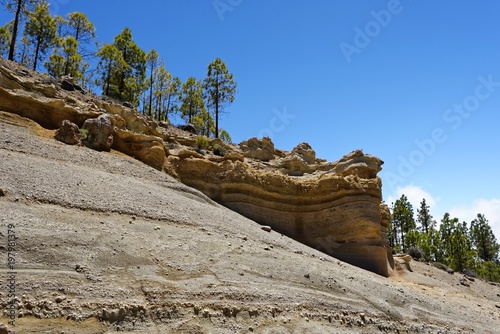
pixel 202 142
pixel 219 150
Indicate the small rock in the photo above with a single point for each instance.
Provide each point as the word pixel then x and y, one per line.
pixel 128 105
pixel 66 85
pixel 450 271
pixel 2 192
pixel 307 276
pixel 59 299
pixel 267 228
pixel 157 227
pixel 4 329
pixel 464 282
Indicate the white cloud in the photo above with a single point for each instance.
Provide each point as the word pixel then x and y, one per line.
pixel 490 208
pixel 415 194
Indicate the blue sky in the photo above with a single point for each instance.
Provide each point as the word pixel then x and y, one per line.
pixel 416 83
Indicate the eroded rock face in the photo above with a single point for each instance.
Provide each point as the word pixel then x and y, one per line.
pixel 148 149
pixel 332 206
pixel 337 211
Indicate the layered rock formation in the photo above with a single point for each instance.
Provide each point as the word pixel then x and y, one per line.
pixel 334 207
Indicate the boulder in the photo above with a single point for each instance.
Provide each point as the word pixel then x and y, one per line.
pixel 68 133
pixel 189 128
pixel 97 133
pixel 67 85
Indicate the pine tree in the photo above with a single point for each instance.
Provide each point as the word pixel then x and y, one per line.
pixel 483 239
pixel 166 90
pixel 401 221
pixel 219 90
pixel 424 217
pixel 130 78
pixel 5 38
pixel 80 27
pixel 111 62
pixel 191 99
pixel 152 59
pixel 204 123
pixel 461 253
pixel 65 60
pixel 40 29
pixel 20 8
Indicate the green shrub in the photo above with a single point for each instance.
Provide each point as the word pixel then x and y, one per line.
pixel 219 150
pixel 202 142
pixel 84 133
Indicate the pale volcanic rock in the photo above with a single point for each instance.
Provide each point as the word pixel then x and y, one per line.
pixel 332 206
pixel 258 149
pixel 149 149
pixel 338 213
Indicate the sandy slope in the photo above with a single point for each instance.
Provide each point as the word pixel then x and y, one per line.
pixel 108 244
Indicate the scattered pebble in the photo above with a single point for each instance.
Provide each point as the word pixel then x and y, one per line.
pixel 267 228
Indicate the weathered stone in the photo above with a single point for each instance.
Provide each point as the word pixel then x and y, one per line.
pixel 2 192
pixel 305 151
pixel 148 149
pixel 4 329
pixel 266 228
pixel 47 112
pixel 66 85
pixel 404 260
pixel 338 213
pixel 68 133
pixel 98 133
pixel 258 149
pixel 128 105
pixel 188 127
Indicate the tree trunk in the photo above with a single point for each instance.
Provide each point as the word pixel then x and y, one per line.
pixel 12 48
pixel 37 50
pixel 151 93
pixel 217 109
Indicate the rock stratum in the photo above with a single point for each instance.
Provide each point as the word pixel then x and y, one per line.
pixel 334 207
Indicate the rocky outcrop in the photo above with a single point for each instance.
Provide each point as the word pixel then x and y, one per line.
pixel 332 206
pixel 337 210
